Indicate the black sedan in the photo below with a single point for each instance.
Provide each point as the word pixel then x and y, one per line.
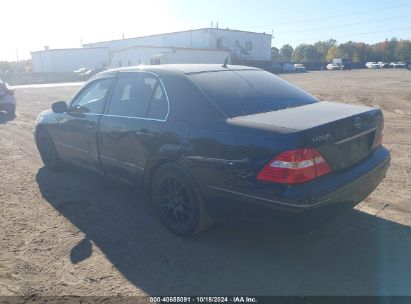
pixel 210 139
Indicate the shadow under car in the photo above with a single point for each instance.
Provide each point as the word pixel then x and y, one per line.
pixel 353 254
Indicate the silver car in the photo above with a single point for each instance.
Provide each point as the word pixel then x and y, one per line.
pixel 7 99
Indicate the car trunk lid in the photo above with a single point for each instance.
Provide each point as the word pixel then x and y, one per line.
pixel 344 134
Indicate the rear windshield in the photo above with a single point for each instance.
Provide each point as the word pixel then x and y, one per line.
pixel 246 92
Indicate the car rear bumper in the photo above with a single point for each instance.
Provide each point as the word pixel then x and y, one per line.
pixel 349 187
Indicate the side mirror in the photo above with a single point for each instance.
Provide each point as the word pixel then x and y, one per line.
pixel 59 107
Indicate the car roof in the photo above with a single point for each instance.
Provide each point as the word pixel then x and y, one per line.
pixel 183 68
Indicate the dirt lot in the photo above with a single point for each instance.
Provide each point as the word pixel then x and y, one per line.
pixel 73 233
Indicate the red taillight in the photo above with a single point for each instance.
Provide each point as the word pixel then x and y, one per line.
pixel 294 167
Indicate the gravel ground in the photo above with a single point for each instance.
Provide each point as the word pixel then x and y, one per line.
pixel 74 233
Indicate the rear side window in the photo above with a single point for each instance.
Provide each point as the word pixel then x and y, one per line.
pixel 158 107
pixel 138 95
pixel 239 93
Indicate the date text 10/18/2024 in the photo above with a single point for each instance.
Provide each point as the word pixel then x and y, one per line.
pixel 203 300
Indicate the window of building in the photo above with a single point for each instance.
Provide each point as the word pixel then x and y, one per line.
pixel 248 45
pixel 219 43
pixel 155 61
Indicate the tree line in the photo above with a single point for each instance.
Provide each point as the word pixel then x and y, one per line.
pixel 358 52
pixel 15 66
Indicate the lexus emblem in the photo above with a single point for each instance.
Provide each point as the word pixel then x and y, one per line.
pixel 359 123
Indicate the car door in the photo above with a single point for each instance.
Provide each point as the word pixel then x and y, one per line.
pixel 77 140
pixel 130 129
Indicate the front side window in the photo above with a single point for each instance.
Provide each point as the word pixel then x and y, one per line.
pixel 139 96
pixel 92 98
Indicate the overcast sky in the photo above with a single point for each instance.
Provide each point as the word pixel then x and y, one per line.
pixel 30 25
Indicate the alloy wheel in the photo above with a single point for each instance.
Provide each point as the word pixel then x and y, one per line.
pixel 174 202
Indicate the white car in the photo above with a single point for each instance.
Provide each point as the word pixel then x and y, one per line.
pixel 333 67
pixel 81 70
pixel 369 64
pixel 398 65
pixel 298 67
pixel 383 65
pixel 7 99
pixel 373 65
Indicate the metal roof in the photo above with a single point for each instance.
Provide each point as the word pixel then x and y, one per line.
pixel 185 68
pixel 200 29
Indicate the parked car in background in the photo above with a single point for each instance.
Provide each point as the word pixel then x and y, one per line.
pixel 345 64
pixel 7 99
pixel 383 65
pixel 211 140
pixel 275 67
pixel 288 67
pixel 81 70
pixel 373 65
pixel 370 64
pixel 334 67
pixel 298 67
pixel 398 65
pixel 88 73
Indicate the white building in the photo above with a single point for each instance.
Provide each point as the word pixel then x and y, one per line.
pixel 242 44
pixel 207 45
pixel 149 55
pixel 68 60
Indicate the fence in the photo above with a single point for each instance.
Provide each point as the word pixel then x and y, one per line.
pixel 34 78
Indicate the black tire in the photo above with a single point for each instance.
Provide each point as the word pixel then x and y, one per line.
pixel 48 152
pixel 178 202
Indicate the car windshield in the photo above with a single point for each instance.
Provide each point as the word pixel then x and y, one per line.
pixel 246 92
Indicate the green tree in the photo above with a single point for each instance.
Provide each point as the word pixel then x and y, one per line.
pixel 334 52
pixel 322 48
pixel 362 53
pixel 403 50
pixel 348 49
pixel 286 52
pixel 306 53
pixel 15 66
pixel 385 51
pixel 275 54
pixel 357 52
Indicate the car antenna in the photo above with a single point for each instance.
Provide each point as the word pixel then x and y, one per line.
pixel 225 62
